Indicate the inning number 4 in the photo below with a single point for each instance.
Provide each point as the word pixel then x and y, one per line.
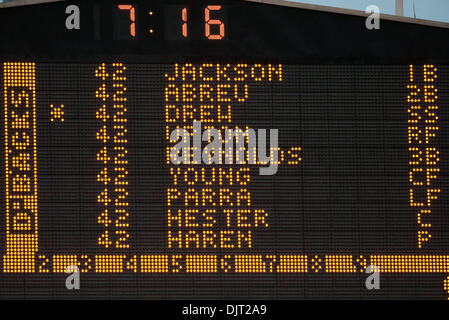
pixel 213 22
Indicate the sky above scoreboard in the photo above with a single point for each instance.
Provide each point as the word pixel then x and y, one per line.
pixel 437 10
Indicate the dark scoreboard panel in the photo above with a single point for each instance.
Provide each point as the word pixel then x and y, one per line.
pixel 342 166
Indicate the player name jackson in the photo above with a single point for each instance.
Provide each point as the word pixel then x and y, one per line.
pixel 225 72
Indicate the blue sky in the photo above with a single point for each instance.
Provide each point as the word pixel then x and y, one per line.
pixel 425 9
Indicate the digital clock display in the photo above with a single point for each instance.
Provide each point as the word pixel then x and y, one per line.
pixel 221 149
pixel 133 22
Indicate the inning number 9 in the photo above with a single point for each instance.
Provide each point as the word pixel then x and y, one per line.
pixel 210 22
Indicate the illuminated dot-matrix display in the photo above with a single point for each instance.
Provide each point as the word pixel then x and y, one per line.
pixel 360 178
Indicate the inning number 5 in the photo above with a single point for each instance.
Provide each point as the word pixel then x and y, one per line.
pixel 210 22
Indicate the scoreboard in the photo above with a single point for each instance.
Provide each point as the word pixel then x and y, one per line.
pixel 222 149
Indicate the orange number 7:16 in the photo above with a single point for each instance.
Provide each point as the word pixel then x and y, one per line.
pixel 208 21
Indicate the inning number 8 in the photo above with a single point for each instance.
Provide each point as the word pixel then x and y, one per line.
pixel 210 22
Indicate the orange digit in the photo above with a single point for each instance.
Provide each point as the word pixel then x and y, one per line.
pixel 210 22
pixel 132 17
pixel 184 24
